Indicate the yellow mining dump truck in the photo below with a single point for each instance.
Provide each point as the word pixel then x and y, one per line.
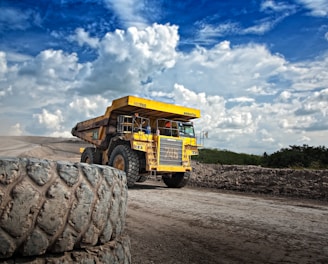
pixel 142 137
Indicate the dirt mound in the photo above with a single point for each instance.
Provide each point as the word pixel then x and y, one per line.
pixel 311 184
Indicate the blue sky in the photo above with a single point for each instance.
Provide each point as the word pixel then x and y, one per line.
pixel 257 70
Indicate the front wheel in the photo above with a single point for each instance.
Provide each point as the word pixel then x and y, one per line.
pixel 176 180
pixel 142 178
pixel 125 159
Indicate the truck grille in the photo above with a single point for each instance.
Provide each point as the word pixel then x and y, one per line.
pixel 170 152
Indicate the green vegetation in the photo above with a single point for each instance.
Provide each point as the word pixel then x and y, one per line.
pixel 215 156
pixel 298 157
pixel 293 157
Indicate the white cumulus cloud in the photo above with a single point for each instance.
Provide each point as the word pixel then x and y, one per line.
pixel 82 37
pixel 128 59
pixel 3 64
pixel 16 130
pixel 130 12
pixel 275 6
pixel 226 70
pixel 50 120
pixel 317 7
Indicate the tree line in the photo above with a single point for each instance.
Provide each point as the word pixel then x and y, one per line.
pixel 292 157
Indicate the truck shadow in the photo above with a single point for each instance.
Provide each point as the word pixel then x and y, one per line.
pixel 147 186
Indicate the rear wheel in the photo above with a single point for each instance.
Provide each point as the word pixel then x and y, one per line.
pixel 91 156
pixel 177 180
pixel 125 159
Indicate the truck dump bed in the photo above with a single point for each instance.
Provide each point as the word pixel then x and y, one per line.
pixel 94 130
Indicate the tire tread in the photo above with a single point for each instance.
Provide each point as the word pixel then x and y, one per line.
pixel 48 206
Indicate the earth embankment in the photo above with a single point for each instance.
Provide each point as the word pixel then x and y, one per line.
pixel 301 183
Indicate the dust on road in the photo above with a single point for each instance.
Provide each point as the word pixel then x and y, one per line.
pixel 194 225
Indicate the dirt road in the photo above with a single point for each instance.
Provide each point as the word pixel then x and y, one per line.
pixel 206 226
pixel 203 226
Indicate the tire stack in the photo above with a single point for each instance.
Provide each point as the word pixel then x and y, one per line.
pixel 62 212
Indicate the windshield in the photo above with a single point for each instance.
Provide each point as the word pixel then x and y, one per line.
pixel 186 130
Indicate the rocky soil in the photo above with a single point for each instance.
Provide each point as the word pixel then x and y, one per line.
pixel 310 184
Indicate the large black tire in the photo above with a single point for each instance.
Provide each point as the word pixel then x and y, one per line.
pixel 126 159
pixel 48 206
pixel 177 180
pixel 91 156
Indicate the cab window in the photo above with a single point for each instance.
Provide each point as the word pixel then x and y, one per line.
pixel 186 130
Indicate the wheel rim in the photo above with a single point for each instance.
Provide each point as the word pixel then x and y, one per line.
pixel 87 160
pixel 119 162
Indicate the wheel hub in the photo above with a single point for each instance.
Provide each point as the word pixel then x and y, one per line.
pixel 119 162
